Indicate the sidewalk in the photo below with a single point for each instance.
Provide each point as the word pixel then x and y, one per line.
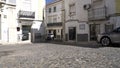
pixel 93 44
pixel 20 42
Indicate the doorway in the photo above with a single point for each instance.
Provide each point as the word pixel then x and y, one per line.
pixel 72 33
pixel 54 32
pixel 25 31
pixel 94 31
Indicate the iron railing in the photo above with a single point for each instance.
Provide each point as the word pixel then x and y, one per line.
pixel 54 24
pixel 26 14
pixel 97 13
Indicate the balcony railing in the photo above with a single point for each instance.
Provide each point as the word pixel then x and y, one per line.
pixel 26 14
pixel 2 1
pixel 97 14
pixel 54 24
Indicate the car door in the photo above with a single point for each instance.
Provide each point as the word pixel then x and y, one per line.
pixel 115 35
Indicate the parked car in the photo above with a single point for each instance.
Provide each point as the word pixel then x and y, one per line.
pixel 50 36
pixel 108 38
pixel 25 35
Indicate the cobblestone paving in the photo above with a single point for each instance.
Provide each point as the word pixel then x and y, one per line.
pixel 45 55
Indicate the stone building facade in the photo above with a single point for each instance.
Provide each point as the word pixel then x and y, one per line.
pixel 76 20
pixel 104 16
pixel 54 19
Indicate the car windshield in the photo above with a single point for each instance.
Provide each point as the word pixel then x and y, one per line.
pixel 115 30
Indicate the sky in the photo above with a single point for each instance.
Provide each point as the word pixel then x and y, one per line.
pixel 48 1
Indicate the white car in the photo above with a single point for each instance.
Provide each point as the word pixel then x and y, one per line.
pixel 50 36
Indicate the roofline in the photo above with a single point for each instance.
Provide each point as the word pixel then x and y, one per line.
pixel 53 2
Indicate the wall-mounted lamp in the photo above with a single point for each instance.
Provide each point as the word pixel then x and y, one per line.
pixel 1 7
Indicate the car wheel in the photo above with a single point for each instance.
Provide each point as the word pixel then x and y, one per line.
pixel 105 41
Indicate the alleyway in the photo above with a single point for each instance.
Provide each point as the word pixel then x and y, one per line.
pixel 46 55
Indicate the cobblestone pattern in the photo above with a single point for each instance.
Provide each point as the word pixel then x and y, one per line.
pixel 58 56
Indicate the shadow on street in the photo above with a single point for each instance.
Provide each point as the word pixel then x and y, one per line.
pixel 87 45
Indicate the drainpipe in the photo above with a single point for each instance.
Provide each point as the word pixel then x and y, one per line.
pixel 63 19
pixel 92 17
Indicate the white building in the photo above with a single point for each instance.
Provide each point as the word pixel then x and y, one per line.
pixel 21 17
pixel 8 22
pixel 76 19
pixel 104 15
pixel 54 19
pixel 31 18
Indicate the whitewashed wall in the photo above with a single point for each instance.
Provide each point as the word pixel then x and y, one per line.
pixel 81 14
pixel 58 12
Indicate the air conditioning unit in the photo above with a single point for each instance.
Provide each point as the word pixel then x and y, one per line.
pixel 87 6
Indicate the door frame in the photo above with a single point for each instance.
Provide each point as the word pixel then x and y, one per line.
pixel 74 34
pixel 94 26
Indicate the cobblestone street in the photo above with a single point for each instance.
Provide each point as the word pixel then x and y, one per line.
pixel 47 55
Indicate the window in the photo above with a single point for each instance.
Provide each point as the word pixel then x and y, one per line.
pixel 82 26
pixel 97 2
pixel 119 29
pixel 49 10
pixel 49 19
pixel 54 9
pixel 72 9
pixel 26 6
pixel 54 19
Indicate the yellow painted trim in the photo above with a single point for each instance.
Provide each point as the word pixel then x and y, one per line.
pixel 117 6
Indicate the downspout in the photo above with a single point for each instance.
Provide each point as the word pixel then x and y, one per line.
pixel 63 19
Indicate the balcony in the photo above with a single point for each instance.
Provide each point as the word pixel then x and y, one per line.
pixel 26 14
pixel 94 1
pixel 54 24
pixel 2 1
pixel 97 14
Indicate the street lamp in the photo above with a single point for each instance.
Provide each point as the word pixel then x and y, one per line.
pixel 1 7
